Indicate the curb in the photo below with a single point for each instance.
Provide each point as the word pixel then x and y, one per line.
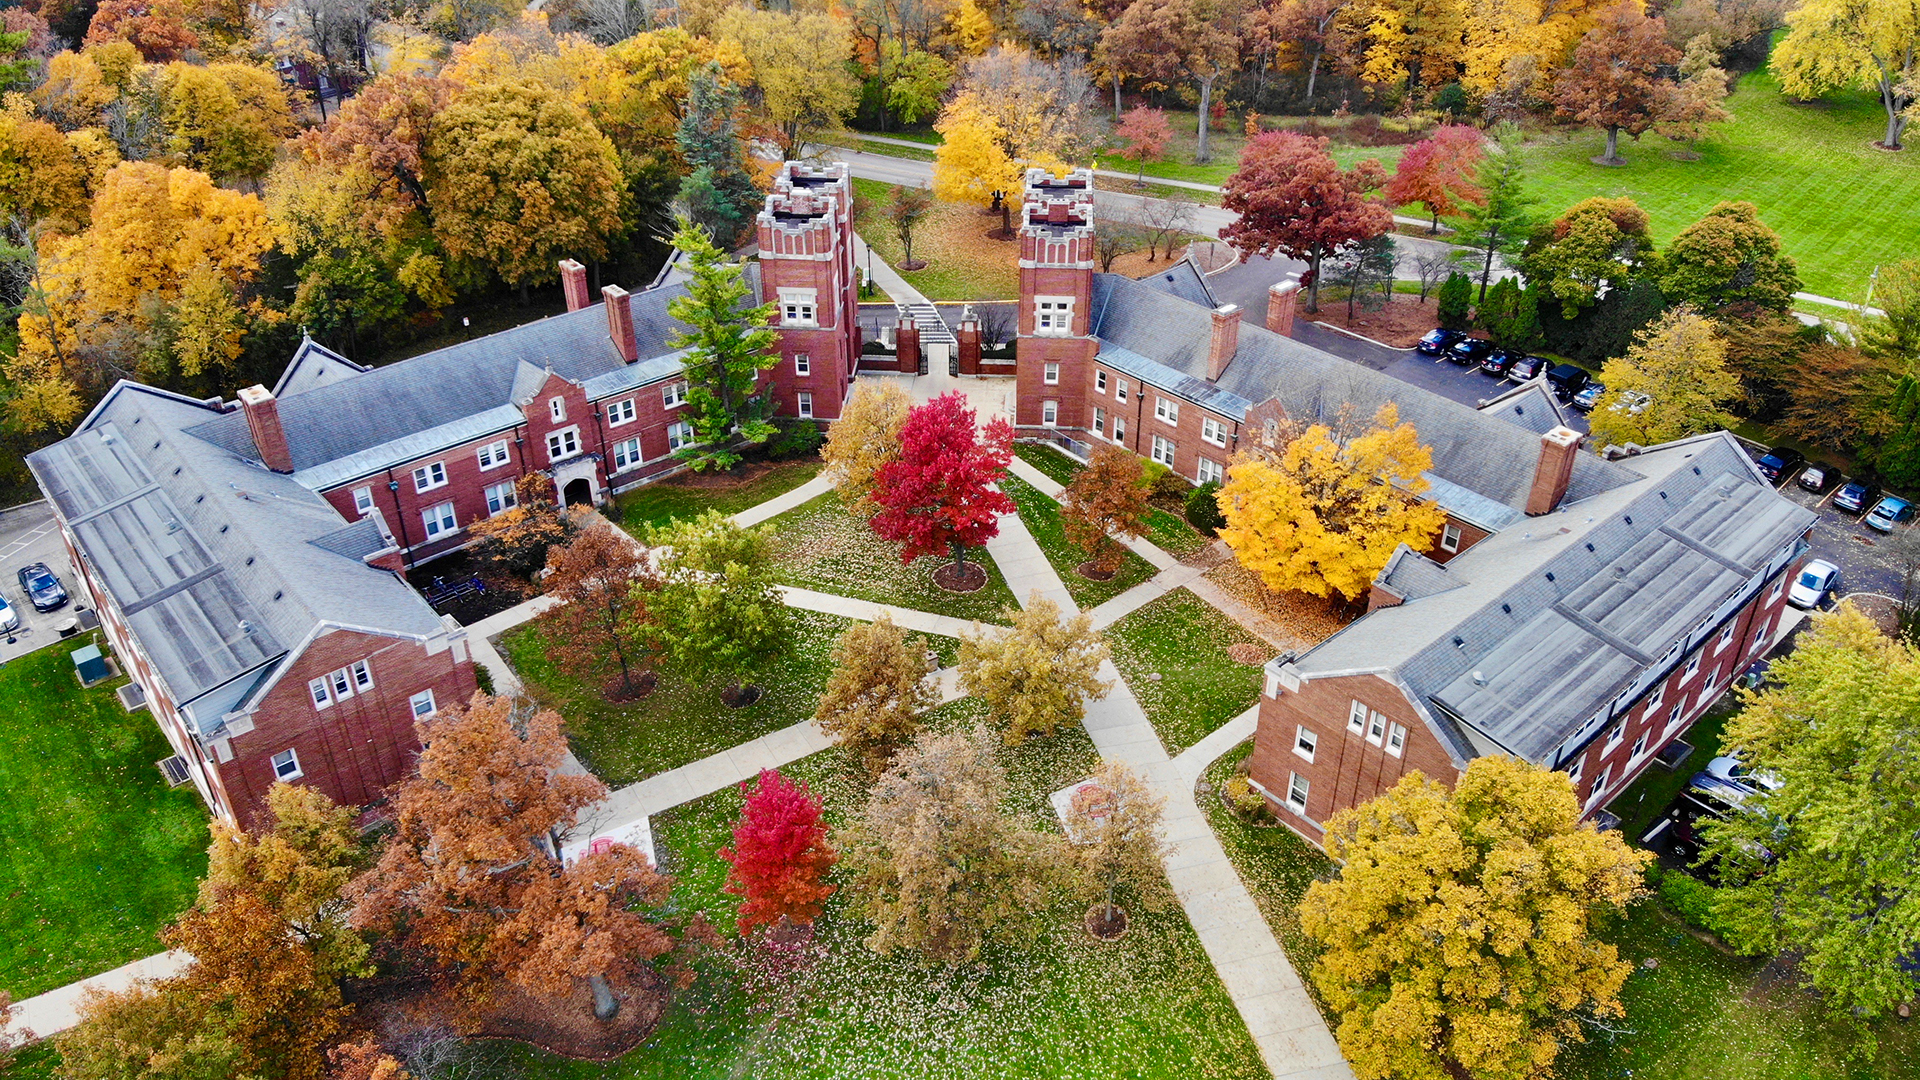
pixel 1362 337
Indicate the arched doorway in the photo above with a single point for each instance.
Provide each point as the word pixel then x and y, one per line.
pixel 578 492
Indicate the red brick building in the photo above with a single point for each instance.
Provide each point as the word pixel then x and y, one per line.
pixel 1576 611
pixel 244 556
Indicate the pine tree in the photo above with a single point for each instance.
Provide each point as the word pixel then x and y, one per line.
pixel 1500 224
pixel 780 855
pixel 1456 302
pixel 719 191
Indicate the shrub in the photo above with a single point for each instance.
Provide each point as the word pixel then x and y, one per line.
pixel 797 438
pixel 1203 508
pixel 1241 796
pixel 1153 472
pixel 1456 302
pixel 1688 897
pixel 1168 484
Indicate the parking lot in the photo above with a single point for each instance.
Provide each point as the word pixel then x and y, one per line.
pixel 1865 557
pixel 28 534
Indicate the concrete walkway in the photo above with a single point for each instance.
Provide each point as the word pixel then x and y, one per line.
pixel 780 504
pixel 887 277
pixel 57 1010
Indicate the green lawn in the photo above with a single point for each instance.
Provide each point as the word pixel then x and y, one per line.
pixel 687 496
pixel 1165 531
pixel 1041 515
pixel 99 853
pixel 683 720
pixel 823 547
pixel 1840 206
pixel 962 263
pixel 1148 1006
pixel 1184 640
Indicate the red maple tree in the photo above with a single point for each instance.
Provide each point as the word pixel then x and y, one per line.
pixel 1147 133
pixel 779 854
pixel 1440 172
pixel 1292 198
pixel 938 496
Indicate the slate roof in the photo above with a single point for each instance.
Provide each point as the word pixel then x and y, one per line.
pixel 1552 619
pixel 219 565
pixel 1480 452
pixel 328 418
pixel 1529 405
pixel 1184 280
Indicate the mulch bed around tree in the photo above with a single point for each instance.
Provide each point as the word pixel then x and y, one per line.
pixel 1400 322
pixel 724 478
pixel 615 689
pixel 964 578
pixel 560 1024
pixel 1091 571
pixel 741 697
pixel 1248 653
pixel 1100 927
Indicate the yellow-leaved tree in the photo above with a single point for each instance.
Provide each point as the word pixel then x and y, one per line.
pixel 1325 514
pixel 1459 935
pixel 1673 382
pixel 864 438
pixel 1013 111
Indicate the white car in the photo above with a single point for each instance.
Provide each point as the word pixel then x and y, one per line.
pixel 1735 772
pixel 1816 580
pixel 9 618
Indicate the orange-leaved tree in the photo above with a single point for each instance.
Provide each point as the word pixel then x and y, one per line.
pixel 601 581
pixel 1107 499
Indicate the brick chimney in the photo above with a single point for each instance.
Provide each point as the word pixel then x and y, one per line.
pixel 968 335
pixel 573 278
pixel 1226 339
pixel 1280 297
pixel 620 322
pixel 1558 449
pixel 263 420
pixel 906 343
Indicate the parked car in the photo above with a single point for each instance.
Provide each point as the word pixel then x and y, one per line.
pixel 1854 496
pixel 1437 341
pixel 1589 396
pixel 1719 790
pixel 1567 380
pixel 1469 351
pixel 1730 768
pixel 1816 580
pixel 1778 462
pixel 42 588
pixel 1815 478
pixel 1498 361
pixel 1887 513
pixel 9 618
pixel 1632 402
pixel 1528 367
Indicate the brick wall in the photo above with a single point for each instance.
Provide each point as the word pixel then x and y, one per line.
pixel 1187 433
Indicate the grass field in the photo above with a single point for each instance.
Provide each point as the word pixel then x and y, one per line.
pixel 99 853
pixel 1041 515
pixel 823 547
pixel 962 264
pixel 1147 1006
pixel 1840 206
pixel 688 496
pixel 1167 532
pixel 1184 640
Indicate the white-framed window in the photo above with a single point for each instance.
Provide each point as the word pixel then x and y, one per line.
pixel 1304 742
pixel 1119 428
pixel 626 454
pixel 1100 381
pixel 428 477
pixel 322 696
pixel 1673 718
pixel 342 684
pixel 1777 587
pixel 797 307
pixel 1166 409
pixel 563 443
pixel 1376 728
pixel 1356 718
pixel 679 435
pixel 1396 739
pixel 1213 431
pixel 422 704
pixel 363 501
pixel 501 497
pixel 557 409
pixel 1297 788
pixel 286 765
pixel 1210 471
pixel 802 364
pixel 1099 421
pixel 1162 451
pixel 1760 635
pixel 362 675
pixel 1726 638
pixel 805 401
pixel 1050 374
pixel 438 520
pixel 1653 700
pixel 674 395
pixel 1639 746
pixel 1120 389
pixel 1049 413
pixel 1573 770
pixel 1600 785
pixel 1449 537
pixel 1053 316
pixel 1614 735
pixel 1270 431
pixel 493 455
pixel 1693 665
pixel 620 412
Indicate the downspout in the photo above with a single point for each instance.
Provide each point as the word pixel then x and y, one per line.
pixel 400 519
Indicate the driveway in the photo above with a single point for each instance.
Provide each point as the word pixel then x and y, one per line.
pixel 28 534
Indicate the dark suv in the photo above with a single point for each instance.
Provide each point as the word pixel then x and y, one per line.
pixel 1437 341
pixel 41 587
pixel 1778 462
pixel 1469 351
pixel 1567 381
pixel 1854 496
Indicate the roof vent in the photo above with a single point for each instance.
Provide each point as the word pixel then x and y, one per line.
pixel 278 593
pixel 1549 575
pixel 1479 678
pixel 1459 643
pixel 249 560
pixel 176 470
pixel 1589 545
pixel 1506 608
pixel 1696 470
pixel 174 526
pixel 1629 519
pixel 1663 494
pixel 1619 571
pixel 246 627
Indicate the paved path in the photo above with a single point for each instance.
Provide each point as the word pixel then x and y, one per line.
pixel 780 504
pixel 57 1010
pixel 887 277
pixel 920 622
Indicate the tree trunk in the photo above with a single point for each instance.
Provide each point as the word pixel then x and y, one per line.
pixel 959 553
pixel 1116 97
pixel 1206 121
pixel 1896 121
pixel 605 1005
pixel 1313 290
pixel 1109 916
pixel 1486 270
pixel 1313 76
pixel 525 299
pixel 1613 145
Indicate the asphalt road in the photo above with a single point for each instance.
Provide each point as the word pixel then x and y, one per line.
pixel 28 534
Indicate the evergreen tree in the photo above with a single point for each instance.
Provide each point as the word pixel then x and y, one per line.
pixel 719 193
pixel 1898 455
pixel 1456 302
pixel 729 345
pixel 1500 225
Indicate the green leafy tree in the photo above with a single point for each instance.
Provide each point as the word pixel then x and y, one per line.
pixel 1897 454
pixel 1499 225
pixel 719 191
pixel 1365 271
pixel 717 608
pixel 1840 886
pixel 1896 334
pixel 1037 675
pixel 1459 936
pixel 800 81
pixel 1455 302
pixel 729 344
pixel 916 83
pixel 1729 257
pixel 909 206
pixel 1673 383
pixel 1597 244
